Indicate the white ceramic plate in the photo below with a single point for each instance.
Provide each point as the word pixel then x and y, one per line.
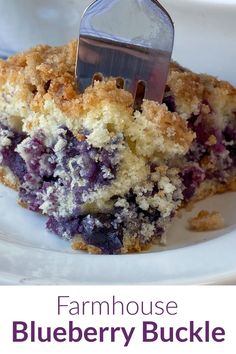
pixel 31 255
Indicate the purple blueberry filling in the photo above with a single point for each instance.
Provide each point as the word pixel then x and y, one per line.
pixel 48 167
pixel 97 166
pixel 40 159
pixel 50 174
pixel 72 168
pixel 105 231
pixel 64 227
pixel 211 144
pixel 230 133
pixel 191 178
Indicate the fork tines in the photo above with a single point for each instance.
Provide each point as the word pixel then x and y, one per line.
pixel 129 40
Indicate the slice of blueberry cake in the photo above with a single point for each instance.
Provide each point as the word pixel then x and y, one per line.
pixel 108 179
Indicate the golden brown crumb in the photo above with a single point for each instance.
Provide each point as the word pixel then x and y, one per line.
pixel 207 221
pixel 8 179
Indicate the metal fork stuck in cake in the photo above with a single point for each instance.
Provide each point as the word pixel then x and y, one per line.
pixel 130 40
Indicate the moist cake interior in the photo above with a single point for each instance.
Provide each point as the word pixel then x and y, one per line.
pixel 108 179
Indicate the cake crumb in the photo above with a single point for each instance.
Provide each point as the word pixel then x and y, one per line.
pixel 212 140
pixel 207 221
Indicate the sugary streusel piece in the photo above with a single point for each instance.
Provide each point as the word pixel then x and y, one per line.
pixel 207 221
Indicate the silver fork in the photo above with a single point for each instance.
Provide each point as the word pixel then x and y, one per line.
pixel 131 40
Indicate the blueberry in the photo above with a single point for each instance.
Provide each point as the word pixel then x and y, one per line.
pixel 98 231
